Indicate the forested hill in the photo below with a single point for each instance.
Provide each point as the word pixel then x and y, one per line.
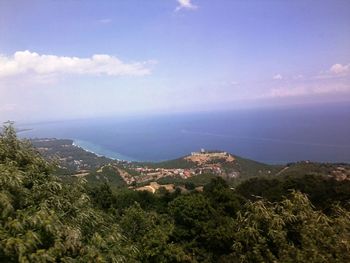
pixel 45 219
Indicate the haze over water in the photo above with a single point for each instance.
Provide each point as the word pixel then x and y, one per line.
pixel 318 133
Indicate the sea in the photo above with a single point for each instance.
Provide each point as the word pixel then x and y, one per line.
pixel 318 133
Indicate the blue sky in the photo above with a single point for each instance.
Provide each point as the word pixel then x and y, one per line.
pixel 73 59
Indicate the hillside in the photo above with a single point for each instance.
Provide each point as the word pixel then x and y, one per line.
pixel 70 158
pixel 339 171
pixel 199 168
pixel 301 218
pixel 188 172
pixel 73 161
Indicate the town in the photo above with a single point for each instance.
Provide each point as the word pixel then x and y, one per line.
pixel 203 162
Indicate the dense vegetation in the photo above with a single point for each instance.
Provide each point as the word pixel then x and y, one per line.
pixel 106 174
pixel 198 180
pixel 42 219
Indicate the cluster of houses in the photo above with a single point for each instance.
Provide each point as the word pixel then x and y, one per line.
pixel 341 173
pixel 210 153
pixel 80 165
pixel 204 157
pixel 147 174
pixel 205 163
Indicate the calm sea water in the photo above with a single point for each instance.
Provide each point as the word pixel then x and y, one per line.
pixel 317 133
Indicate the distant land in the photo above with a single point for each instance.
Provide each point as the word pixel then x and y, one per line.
pixel 191 171
pixel 23 130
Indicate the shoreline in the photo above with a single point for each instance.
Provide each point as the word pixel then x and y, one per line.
pixel 87 150
pixel 100 151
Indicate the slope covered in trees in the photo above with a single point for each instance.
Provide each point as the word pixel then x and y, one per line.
pixel 43 219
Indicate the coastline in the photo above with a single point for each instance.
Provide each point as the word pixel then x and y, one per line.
pixel 87 150
pixel 100 151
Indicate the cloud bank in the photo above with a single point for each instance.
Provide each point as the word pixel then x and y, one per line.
pixel 277 77
pixel 306 90
pixel 185 4
pixel 23 62
pixel 339 69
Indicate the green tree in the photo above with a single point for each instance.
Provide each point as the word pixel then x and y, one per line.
pixel 151 232
pixel 202 230
pixel 290 231
pixel 44 220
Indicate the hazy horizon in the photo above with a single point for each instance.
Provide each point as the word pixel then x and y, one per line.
pixel 317 133
pixel 265 109
pixel 73 59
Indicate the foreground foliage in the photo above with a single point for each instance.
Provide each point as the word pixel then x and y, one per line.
pixel 43 219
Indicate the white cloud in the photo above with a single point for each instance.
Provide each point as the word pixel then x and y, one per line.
pixel 335 71
pixel 277 77
pixel 339 69
pixel 286 92
pixel 26 62
pixel 307 90
pixel 185 4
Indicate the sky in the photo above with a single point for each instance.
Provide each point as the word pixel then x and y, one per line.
pixel 80 59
